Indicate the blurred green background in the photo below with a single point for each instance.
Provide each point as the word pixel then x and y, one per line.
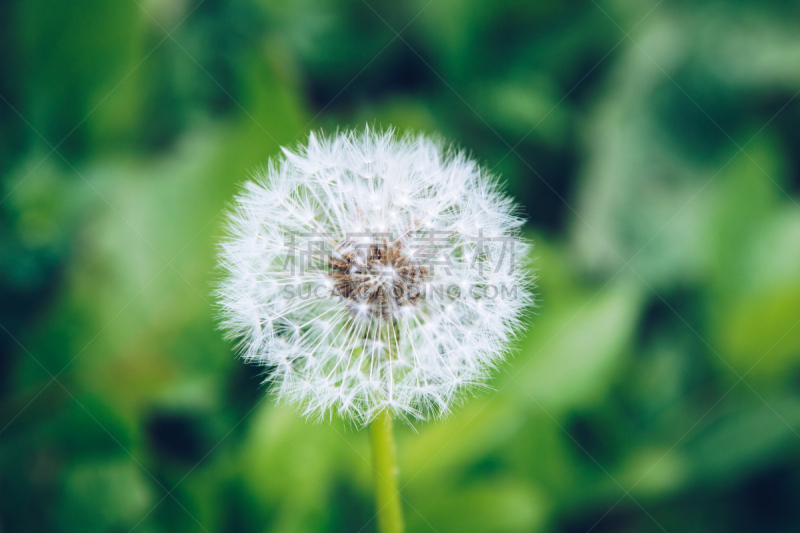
pixel 655 147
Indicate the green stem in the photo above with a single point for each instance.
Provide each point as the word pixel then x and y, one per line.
pixel 384 456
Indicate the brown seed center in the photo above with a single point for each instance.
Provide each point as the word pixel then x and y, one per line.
pixel 377 279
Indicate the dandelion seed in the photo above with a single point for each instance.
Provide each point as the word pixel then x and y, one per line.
pixel 373 329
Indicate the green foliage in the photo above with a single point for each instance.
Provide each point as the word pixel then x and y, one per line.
pixel 655 387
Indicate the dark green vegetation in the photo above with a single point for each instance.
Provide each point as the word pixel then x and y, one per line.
pixel 661 176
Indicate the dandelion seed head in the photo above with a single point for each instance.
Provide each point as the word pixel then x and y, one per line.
pixel 330 281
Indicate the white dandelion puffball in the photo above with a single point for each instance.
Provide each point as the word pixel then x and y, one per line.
pixel 372 272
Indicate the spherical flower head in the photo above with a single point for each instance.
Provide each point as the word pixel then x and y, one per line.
pixel 373 272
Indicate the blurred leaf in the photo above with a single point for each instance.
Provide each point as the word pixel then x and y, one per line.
pixel 291 465
pixel 103 496
pixel 527 105
pixel 743 440
pixel 760 330
pixel 577 350
pixel 497 505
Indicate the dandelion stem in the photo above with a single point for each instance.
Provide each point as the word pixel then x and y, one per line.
pixel 387 495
